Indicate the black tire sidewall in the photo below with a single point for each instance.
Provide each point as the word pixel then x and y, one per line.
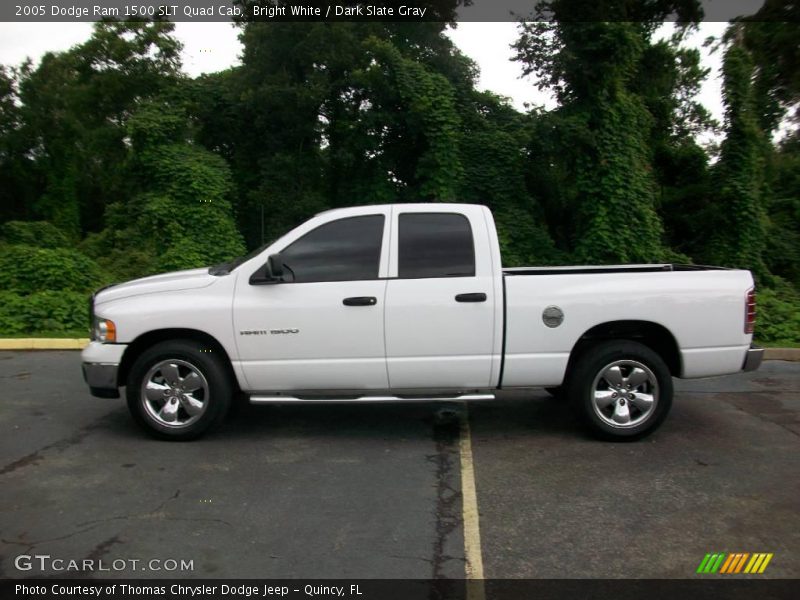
pixel 590 364
pixel 202 358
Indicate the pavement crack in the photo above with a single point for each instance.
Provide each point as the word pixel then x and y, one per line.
pixel 58 446
pixel 157 512
pixel 448 495
pixel 420 558
pixel 30 545
pixel 164 503
pixel 103 547
pixel 200 520
pixel 763 406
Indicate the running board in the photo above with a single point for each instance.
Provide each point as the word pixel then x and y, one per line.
pixel 368 399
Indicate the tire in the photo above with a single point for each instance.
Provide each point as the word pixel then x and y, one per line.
pixel 608 407
pixel 178 390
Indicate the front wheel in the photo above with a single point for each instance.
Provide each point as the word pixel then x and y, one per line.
pixel 621 389
pixel 177 390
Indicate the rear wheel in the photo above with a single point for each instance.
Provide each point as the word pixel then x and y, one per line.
pixel 178 390
pixel 621 389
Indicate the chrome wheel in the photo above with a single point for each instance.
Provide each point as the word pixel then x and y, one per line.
pixel 624 393
pixel 174 393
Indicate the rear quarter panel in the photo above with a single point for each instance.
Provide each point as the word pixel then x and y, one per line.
pixel 704 311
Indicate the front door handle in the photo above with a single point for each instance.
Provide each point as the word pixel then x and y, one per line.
pixel 477 297
pixel 360 301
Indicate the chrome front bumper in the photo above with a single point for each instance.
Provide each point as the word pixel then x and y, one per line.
pixel 100 375
pixel 753 358
pixel 101 379
pixel 100 365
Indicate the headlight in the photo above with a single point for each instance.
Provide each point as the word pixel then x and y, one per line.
pixel 104 331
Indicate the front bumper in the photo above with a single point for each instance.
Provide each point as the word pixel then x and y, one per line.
pixel 101 368
pixel 102 379
pixel 753 358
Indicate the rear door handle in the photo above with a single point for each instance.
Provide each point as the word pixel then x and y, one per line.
pixel 360 301
pixel 477 297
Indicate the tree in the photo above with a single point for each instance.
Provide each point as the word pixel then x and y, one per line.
pixel 180 215
pixel 341 114
pixel 737 238
pixel 772 37
pixel 73 112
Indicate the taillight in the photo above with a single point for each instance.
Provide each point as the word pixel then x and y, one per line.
pixel 750 311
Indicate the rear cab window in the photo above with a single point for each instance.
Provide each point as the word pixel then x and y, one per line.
pixel 435 245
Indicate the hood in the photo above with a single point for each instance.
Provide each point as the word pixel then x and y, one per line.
pixel 165 282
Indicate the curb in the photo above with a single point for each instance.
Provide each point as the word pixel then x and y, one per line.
pixel 782 354
pixel 43 343
pixel 791 354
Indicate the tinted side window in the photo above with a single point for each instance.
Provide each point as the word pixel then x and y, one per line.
pixel 343 250
pixel 435 245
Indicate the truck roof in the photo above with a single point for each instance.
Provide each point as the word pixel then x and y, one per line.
pixel 407 205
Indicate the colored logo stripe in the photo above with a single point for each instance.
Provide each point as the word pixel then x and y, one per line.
pixel 758 563
pixel 734 562
pixel 711 563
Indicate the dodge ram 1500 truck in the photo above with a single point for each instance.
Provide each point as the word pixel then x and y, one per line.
pixel 409 302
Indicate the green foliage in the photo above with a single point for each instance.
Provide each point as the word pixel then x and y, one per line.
pixel 27 269
pixel 778 318
pixel 738 235
pixel 45 289
pixel 183 214
pixel 494 175
pixel 617 216
pixel 428 101
pixel 68 123
pixel 595 69
pixel 772 37
pixel 59 312
pixel 782 253
pixel 39 234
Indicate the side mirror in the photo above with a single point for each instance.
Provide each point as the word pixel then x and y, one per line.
pixel 270 273
pixel 276 266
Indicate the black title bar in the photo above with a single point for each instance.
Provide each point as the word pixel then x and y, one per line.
pixel 377 10
pixel 706 588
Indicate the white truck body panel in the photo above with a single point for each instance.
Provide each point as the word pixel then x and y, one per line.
pixel 702 309
pixel 431 340
pixel 336 346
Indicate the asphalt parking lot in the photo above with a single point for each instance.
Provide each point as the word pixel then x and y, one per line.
pixel 376 491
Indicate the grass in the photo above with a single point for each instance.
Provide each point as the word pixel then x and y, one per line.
pixel 778 344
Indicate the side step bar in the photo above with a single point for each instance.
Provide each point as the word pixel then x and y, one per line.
pixel 368 399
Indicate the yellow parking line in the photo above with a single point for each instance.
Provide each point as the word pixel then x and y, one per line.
pixel 472 531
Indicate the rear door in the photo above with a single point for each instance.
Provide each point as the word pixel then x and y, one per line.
pixel 440 300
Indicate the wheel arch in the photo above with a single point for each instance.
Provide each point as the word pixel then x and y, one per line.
pixel 205 341
pixel 653 335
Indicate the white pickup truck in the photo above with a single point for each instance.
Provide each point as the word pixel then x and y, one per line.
pixel 410 302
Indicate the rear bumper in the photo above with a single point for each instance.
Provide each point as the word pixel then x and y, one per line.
pixel 753 358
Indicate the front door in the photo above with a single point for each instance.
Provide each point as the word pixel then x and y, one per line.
pixel 321 329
